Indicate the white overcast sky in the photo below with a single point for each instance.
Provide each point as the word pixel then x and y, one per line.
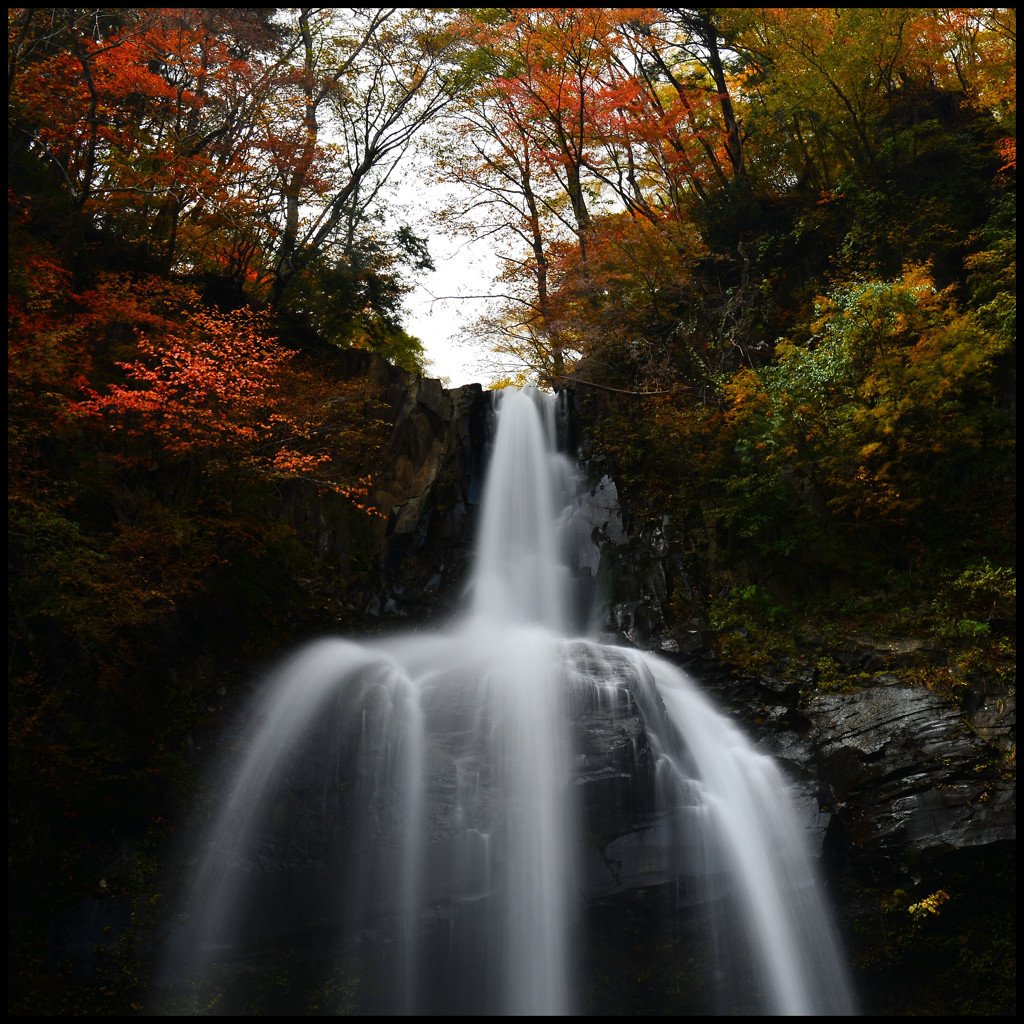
pixel 463 267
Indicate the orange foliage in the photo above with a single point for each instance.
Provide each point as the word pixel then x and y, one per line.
pixel 208 387
pixel 155 123
pixel 218 389
pixel 46 348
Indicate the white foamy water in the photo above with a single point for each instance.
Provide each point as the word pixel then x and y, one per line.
pixel 399 824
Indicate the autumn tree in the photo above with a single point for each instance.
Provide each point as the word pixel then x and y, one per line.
pixel 833 88
pixel 488 152
pixel 380 76
pixel 154 135
pixel 884 415
pixel 517 143
pixel 240 149
pixel 587 112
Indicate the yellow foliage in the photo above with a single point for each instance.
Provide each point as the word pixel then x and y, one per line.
pixel 929 905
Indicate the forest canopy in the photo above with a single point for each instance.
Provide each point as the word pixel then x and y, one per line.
pixel 654 177
pixel 787 233
pixel 675 186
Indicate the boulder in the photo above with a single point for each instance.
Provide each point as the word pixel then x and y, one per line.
pixel 909 778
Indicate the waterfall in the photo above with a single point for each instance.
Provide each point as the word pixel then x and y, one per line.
pixel 398 827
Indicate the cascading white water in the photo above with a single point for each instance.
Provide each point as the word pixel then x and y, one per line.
pixel 399 824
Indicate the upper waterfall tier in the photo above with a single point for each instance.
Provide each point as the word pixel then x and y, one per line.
pixel 519 577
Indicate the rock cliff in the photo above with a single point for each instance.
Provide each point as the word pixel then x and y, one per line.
pixel 901 790
pixel 907 797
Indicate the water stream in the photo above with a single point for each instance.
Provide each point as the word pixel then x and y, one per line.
pixel 399 826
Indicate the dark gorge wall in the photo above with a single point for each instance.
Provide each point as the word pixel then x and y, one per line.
pixel 907 785
pixel 425 495
pixel 908 795
pixel 429 490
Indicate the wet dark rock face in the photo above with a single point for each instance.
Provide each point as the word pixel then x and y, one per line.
pixel 902 793
pixel 429 491
pixel 904 797
pixel 909 779
pixel 410 561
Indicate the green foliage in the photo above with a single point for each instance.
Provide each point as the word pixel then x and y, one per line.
pixel 874 425
pixel 752 626
pixel 992 272
pixel 833 678
pixel 984 586
pixel 355 300
pixel 975 611
pixel 746 606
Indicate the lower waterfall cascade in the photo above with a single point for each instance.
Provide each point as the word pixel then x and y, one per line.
pixel 399 822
